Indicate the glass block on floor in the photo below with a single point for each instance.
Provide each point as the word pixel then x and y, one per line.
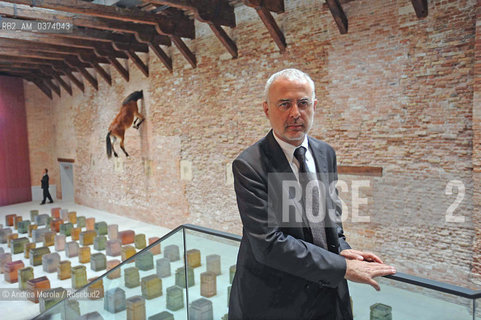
pixel 114 300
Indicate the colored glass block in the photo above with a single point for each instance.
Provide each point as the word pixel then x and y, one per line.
pixel 66 228
pixel 71 249
pixel 50 297
pixel 37 234
pixel 151 287
pixel 4 234
pixel 64 214
pixel 55 225
pixel 41 219
pixel 10 237
pixel 17 220
pixel 201 309
pixel 140 241
pixel 26 249
pixel 87 237
pixel 180 277
pixel 24 275
pixel 98 262
pixel 10 220
pixel 131 277
pixel 36 255
pixel 114 300
pixel 135 308
pixel 171 252
pixel 113 231
pixel 91 316
pixel 33 214
pixel 114 248
pixel 23 226
pixel 90 223
pixel 72 217
pixel 100 242
pixel 208 284
pixel 55 213
pixel 111 264
pixel 101 228
pixel 213 263
pixel 127 252
pixel 193 258
pixel 75 233
pixel 79 277
pixel 50 262
pixel 18 245
pixel 163 268
pixel 10 270
pixel 155 249
pixel 164 315
pixel 127 236
pixel 60 240
pixel 31 227
pixel 95 289
pixel 49 238
pixel 36 286
pixel 80 221
pixel 4 259
pixel 84 254
pixel 64 270
pixel 145 261
pixel 175 298
pixel 380 311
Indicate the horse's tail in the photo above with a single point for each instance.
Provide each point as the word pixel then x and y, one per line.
pixel 109 145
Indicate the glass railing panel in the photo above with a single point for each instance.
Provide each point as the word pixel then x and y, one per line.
pixel 212 260
pixel 134 289
pixel 406 302
pixel 477 306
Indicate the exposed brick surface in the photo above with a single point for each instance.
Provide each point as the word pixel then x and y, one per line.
pixel 395 92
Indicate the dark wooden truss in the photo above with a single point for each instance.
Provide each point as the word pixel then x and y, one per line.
pixel 106 35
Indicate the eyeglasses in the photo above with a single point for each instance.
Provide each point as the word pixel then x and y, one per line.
pixel 302 104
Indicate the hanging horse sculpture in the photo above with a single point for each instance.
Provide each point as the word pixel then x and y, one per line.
pixel 129 113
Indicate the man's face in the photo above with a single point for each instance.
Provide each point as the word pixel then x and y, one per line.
pixel 44 172
pixel 290 109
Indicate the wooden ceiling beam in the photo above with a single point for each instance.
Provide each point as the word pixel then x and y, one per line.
pixel 218 12
pixel 120 68
pixel 214 12
pixel 75 64
pixel 185 51
pixel 69 51
pixel 138 63
pixel 52 73
pixel 163 57
pixel 276 6
pixel 85 26
pixel 338 14
pixel 182 27
pixel 228 43
pixel 41 85
pixel 421 8
pixel 268 20
pixel 52 86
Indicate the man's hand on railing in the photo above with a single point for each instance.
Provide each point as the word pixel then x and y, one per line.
pixel 363 267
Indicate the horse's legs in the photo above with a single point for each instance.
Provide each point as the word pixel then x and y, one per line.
pixel 122 147
pixel 140 118
pixel 114 138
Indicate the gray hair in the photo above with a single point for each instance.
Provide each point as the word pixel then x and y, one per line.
pixel 289 74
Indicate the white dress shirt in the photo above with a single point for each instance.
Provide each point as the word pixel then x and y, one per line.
pixel 289 153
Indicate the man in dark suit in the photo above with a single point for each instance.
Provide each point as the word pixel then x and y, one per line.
pixel 291 265
pixel 46 193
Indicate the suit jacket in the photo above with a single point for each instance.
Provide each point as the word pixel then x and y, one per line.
pixel 280 273
pixel 45 181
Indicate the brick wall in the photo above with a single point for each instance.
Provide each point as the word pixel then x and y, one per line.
pixel 395 92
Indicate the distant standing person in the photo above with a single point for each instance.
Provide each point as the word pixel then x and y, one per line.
pixel 46 194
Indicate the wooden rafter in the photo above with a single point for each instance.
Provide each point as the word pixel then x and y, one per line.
pixel 338 14
pixel 264 13
pixel 421 8
pixel 138 62
pixel 216 13
pixel 189 55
